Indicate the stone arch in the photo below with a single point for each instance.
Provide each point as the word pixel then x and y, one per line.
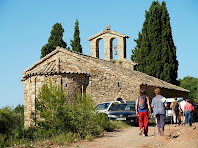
pixel 111 47
pixel 108 35
pixel 97 47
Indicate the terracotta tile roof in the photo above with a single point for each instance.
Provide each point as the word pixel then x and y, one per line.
pixel 66 65
pixel 56 66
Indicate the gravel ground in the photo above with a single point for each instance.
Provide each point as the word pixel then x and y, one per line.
pixel 175 136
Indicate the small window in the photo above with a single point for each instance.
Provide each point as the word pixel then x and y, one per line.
pixel 118 84
pixel 65 85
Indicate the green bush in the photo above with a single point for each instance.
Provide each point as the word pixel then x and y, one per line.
pixel 1 141
pixel 104 122
pixel 119 124
pixel 83 119
pixel 59 121
pixel 64 138
pixel 78 117
pixel 52 107
pixel 11 124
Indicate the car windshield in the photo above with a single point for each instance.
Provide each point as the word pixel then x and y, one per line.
pixel 127 107
pixel 102 106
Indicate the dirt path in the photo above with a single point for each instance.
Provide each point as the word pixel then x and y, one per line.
pixel 180 136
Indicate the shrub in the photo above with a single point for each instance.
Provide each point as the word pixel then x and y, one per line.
pixel 61 120
pixel 11 124
pixel 1 141
pixel 119 124
pixel 10 120
pixel 52 108
pixel 89 137
pixel 104 122
pixel 64 138
pixel 113 61
pixel 83 118
pixel 57 114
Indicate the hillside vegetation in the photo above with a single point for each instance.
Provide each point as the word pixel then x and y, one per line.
pixel 60 121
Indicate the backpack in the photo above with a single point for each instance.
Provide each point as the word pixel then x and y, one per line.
pixel 142 103
pixel 175 106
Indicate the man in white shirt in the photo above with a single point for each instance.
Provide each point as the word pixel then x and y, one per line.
pixel 182 104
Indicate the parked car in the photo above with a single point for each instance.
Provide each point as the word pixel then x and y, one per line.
pixel 106 106
pixel 124 112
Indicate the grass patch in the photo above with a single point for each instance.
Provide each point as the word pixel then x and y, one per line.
pixel 119 124
pixel 64 138
pixel 89 137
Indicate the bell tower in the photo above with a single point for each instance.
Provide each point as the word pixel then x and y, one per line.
pixel 108 35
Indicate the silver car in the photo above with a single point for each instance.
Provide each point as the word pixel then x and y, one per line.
pixel 105 107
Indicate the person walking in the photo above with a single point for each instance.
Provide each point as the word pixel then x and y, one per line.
pixel 176 107
pixel 188 108
pixel 182 104
pixel 159 105
pixel 142 107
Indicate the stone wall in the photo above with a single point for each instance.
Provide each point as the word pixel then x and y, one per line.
pixel 167 93
pixel 70 83
pixel 125 64
pixel 108 86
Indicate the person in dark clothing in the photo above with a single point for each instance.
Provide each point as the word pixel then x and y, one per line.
pixel 176 108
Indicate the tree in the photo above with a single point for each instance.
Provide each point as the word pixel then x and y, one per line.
pixel 155 51
pixel 54 40
pixel 75 43
pixel 51 105
pixel 191 84
pixel 11 124
pixel 59 114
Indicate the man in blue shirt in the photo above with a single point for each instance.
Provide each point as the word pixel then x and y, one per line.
pixel 159 105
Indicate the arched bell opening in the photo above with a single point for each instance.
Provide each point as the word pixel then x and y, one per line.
pixel 113 45
pixel 100 48
pixel 114 48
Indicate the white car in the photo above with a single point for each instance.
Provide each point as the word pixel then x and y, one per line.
pixel 105 107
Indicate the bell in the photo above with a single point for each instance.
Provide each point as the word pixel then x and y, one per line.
pixel 115 52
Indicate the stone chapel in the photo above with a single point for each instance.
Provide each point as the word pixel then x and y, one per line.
pixel 104 80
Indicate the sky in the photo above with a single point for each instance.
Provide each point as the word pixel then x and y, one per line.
pixel 25 27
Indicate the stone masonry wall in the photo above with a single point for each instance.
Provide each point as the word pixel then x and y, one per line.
pixel 167 93
pixel 70 83
pixel 106 86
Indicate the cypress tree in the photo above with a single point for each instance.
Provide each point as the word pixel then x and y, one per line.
pixel 75 43
pixel 168 49
pixel 155 52
pixel 54 40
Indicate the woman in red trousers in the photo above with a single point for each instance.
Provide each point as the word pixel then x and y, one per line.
pixel 142 110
